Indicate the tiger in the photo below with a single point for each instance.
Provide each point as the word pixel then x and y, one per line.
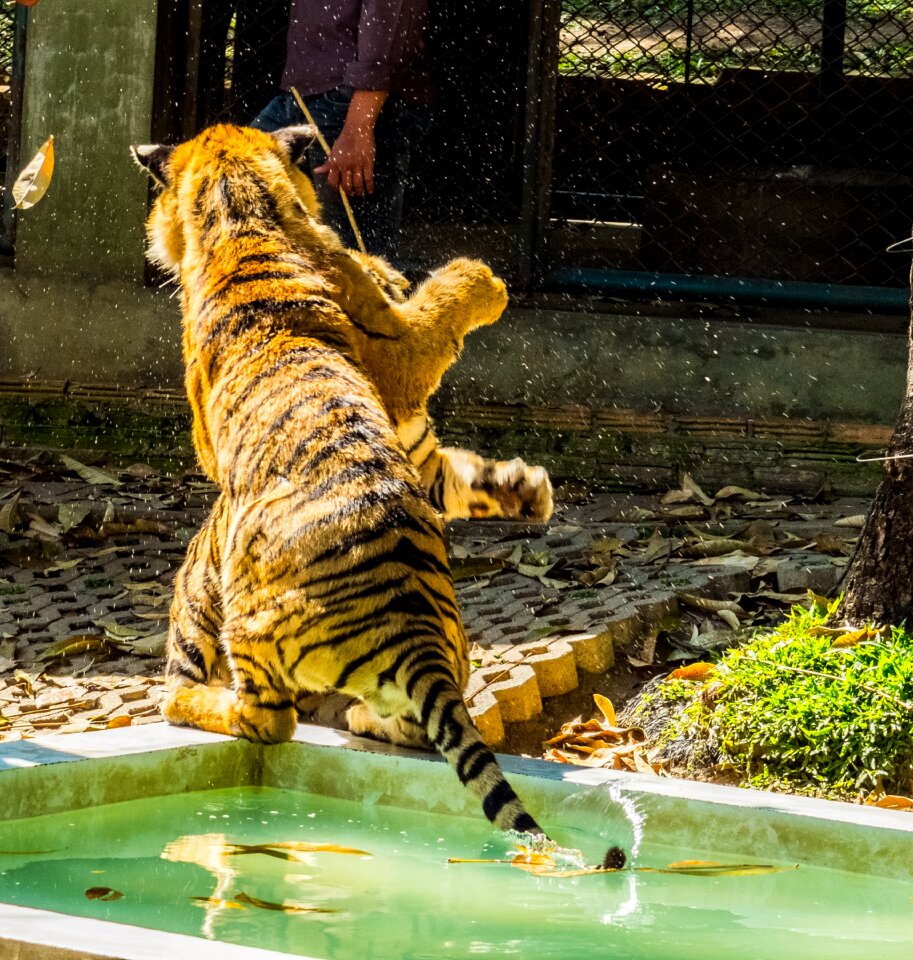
pixel 334 574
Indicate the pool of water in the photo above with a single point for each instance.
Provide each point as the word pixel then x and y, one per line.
pixel 165 863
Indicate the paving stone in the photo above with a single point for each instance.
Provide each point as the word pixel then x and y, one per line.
pixel 808 573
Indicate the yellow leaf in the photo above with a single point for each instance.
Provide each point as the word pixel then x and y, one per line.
pixel 121 721
pixel 855 636
pixel 725 870
pixel 694 671
pixel 891 802
pixel 32 184
pixel 216 902
pixel 605 706
pixel 683 864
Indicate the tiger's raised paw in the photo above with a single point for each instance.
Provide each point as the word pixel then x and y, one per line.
pixel 513 490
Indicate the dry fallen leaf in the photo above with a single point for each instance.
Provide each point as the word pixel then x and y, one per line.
pixel 285 906
pixel 694 671
pixel 121 721
pixel 217 902
pixel 75 645
pixel 606 708
pixel 32 184
pixel 103 893
pixel 892 802
pixel 89 474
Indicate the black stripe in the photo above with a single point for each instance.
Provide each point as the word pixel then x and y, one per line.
pixel 465 761
pixel 428 668
pixel 445 722
pixel 525 824
pixel 191 651
pixel 498 797
pixel 181 669
pixel 436 492
pixel 419 442
pixel 431 698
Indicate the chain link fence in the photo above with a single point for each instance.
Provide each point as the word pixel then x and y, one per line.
pixel 708 138
pixel 737 139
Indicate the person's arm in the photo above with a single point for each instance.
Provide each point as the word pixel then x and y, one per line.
pixel 389 35
pixel 350 164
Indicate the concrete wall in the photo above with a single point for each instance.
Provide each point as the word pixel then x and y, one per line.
pixel 89 70
pixel 75 307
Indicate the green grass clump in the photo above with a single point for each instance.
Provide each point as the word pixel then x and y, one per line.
pixel 790 710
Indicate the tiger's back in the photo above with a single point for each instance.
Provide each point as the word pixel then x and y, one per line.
pixel 333 569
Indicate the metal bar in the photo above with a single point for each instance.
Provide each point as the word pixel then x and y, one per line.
pixel 833 45
pixel 794 293
pixel 538 148
pixel 192 76
pixel 14 133
pixel 689 40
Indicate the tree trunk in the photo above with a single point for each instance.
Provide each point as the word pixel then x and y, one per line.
pixel 878 586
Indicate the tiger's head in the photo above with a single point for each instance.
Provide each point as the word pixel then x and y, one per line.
pixel 180 172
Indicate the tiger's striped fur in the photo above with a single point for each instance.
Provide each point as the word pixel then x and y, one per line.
pixel 333 569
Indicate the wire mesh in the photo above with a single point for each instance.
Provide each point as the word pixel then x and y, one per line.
pixel 734 138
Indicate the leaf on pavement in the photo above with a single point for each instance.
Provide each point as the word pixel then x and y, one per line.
pixel 75 645
pixel 9 513
pixel 736 493
pixel 892 802
pixel 71 515
pixel 89 474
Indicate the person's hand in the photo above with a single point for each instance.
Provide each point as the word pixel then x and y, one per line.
pixel 350 165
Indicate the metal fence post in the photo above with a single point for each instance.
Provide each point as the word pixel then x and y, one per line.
pixel 538 148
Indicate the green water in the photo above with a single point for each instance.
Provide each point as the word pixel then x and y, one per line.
pixel 407 902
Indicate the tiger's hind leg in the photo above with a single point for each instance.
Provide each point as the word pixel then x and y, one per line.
pixel 402 730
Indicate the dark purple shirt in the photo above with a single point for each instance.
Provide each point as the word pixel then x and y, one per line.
pixel 366 44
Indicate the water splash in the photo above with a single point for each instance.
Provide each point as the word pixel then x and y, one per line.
pixel 599 818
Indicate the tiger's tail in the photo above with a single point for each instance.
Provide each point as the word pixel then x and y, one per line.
pixel 438 703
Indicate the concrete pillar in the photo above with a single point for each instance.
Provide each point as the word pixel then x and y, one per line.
pixel 89 77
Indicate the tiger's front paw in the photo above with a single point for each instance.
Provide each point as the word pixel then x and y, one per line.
pixel 485 295
pixel 513 490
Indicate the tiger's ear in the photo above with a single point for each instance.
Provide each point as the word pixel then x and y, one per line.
pixel 153 158
pixel 296 140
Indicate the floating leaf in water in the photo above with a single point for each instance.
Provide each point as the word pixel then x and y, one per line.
pixel 286 850
pixel 285 906
pixel 24 853
pixel 103 893
pixel 710 868
pixel 217 902
pixel 32 184
pixel 89 474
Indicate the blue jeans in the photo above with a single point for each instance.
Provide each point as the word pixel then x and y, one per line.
pixel 400 126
